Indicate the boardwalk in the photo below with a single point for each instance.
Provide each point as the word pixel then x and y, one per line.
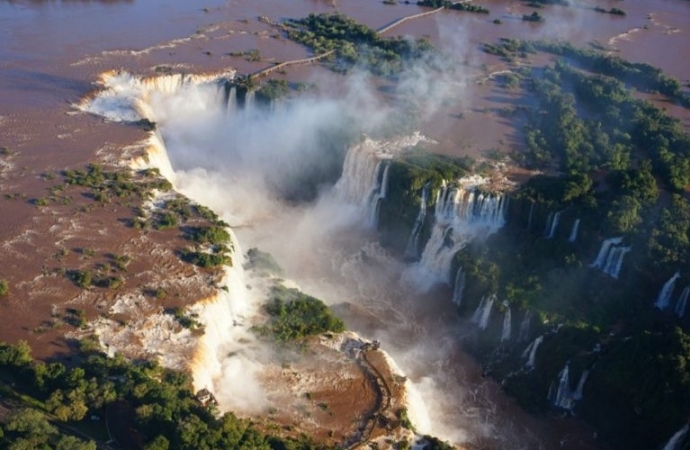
pixel 313 59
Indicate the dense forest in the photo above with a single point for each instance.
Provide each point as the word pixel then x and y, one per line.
pixel 614 167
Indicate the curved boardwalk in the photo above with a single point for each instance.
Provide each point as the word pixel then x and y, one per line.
pixel 313 59
pixel 383 398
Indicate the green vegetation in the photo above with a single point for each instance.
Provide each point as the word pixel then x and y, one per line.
pixel 408 175
pixel 262 262
pixel 205 260
pixel 4 288
pixel 295 315
pixel 643 77
pixel 213 235
pixel 161 408
pixel 188 321
pixel 459 6
pixel 355 44
pixel 617 130
pixel 272 90
pixel 105 186
pixel 614 11
pixel 534 17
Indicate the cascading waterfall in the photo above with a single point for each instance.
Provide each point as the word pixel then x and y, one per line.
pixel 664 297
pixel 459 288
pixel 682 303
pixel 531 351
pixel 554 219
pixel 412 250
pixel 677 438
pixel 614 262
pixel 507 325
pixel 249 101
pixel 574 230
pixel 364 181
pixel 377 194
pixel 462 213
pixel 523 334
pixel 610 257
pixel 231 104
pixel 483 312
pixel 562 396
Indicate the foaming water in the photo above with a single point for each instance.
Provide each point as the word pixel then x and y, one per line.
pixel 231 163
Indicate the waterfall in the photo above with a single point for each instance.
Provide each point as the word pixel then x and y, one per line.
pixel 412 250
pixel 483 312
pixel 554 224
pixel 249 101
pixel 459 286
pixel 530 216
pixel 604 251
pixel 614 261
pixel 377 194
pixel 523 334
pixel 364 180
pixel 531 351
pixel 610 257
pixel 664 297
pixel 563 397
pixel 574 230
pixel 682 302
pixel 462 213
pixel 677 438
pixel 507 325
pixel 231 101
pixel 549 222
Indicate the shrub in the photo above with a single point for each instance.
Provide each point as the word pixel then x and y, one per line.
pixel 4 288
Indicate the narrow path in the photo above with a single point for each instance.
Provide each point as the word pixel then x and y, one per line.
pixel 313 59
pixel 383 398
pixel 395 23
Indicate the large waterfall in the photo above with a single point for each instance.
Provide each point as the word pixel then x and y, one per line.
pixel 530 352
pixel 664 297
pixel 561 395
pixel 459 288
pixel 412 249
pixel 523 333
pixel 364 181
pixel 483 312
pixel 610 257
pixel 462 213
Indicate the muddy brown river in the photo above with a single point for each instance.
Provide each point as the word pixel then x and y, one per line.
pixel 51 53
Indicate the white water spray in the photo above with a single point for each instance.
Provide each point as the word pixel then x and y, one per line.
pixel 530 352
pixel 664 297
pixel 483 312
pixel 462 213
pixel 552 224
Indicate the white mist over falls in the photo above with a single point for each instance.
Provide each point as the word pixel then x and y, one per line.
pixel 236 161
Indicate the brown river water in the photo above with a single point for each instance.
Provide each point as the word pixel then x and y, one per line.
pixel 51 52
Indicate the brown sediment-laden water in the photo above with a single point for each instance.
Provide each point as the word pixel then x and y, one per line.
pixel 52 53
